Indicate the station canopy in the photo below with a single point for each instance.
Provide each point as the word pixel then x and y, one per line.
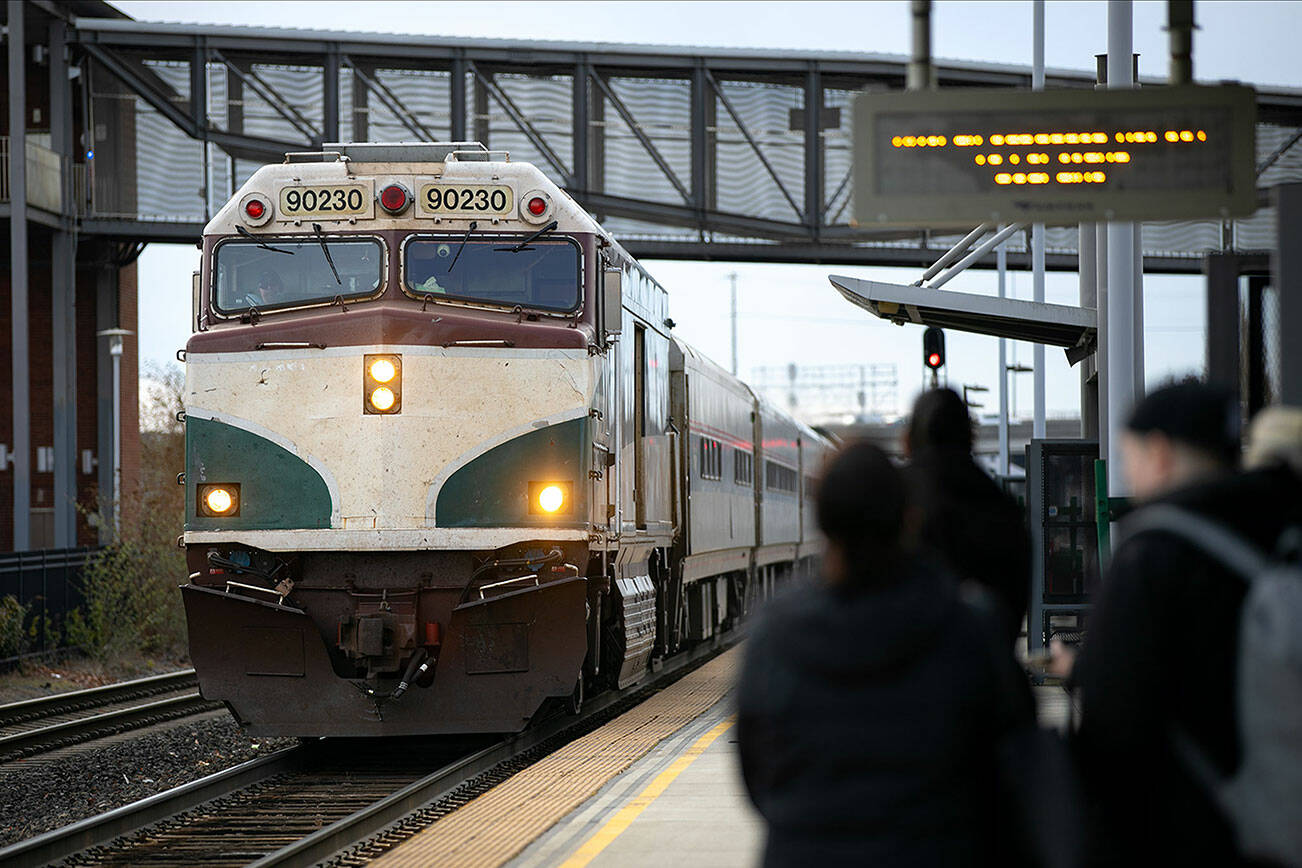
pixel 1073 328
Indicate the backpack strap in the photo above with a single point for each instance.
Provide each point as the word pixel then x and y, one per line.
pixel 1211 537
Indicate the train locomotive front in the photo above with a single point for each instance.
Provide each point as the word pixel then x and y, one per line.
pixel 395 445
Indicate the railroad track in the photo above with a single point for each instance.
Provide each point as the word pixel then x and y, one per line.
pixel 38 725
pixel 331 799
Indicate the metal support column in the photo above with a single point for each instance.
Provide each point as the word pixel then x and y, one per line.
pixel 919 74
pixel 1037 235
pixel 330 96
pixel 457 98
pixel 1089 298
pixel 579 134
pixel 1001 264
pixel 1101 298
pixel 813 152
pixel 1222 358
pixel 20 370
pixel 1180 28
pixel 481 109
pixel 361 108
pixel 1287 269
pixel 63 300
pixel 701 94
pixel 1121 267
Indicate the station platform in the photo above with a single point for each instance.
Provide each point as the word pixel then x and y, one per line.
pixel 661 784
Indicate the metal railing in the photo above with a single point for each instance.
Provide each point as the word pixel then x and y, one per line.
pixel 47 583
pixel 46 178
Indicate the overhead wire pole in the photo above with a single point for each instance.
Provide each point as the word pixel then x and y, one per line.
pixel 1037 233
pixel 1121 266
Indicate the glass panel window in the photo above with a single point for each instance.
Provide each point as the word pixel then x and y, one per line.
pixel 543 275
pixel 779 477
pixel 291 272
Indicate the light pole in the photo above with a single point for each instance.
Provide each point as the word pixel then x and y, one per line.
pixel 115 337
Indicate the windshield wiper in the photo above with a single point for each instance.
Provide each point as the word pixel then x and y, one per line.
pixel 264 245
pixel 325 248
pixel 534 237
pixel 474 224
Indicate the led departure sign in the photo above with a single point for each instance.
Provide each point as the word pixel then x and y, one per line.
pixel 959 157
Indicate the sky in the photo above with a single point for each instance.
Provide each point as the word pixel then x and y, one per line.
pixel 790 313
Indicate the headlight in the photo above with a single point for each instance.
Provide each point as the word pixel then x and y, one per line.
pixel 550 498
pixel 219 500
pixel 382 384
pixel 383 399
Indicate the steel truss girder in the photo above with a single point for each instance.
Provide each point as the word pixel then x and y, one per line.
pixel 591 69
pixel 518 118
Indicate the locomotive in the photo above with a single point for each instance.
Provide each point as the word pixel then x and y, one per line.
pixel 445 460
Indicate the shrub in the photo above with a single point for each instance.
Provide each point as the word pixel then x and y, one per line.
pixel 12 638
pixel 132 602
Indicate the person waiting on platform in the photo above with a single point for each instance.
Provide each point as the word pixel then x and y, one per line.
pixel 977 530
pixel 871 704
pixel 1159 659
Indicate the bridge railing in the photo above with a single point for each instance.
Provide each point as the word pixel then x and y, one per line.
pixel 47 172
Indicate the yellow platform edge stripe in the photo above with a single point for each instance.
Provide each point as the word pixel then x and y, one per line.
pixel 497 825
pixel 639 803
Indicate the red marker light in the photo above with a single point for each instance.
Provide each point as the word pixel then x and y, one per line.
pixel 537 205
pixel 933 360
pixel 255 209
pixel 393 198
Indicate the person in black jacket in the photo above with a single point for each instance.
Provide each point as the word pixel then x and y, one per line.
pixel 963 517
pixel 871 703
pixel 1161 648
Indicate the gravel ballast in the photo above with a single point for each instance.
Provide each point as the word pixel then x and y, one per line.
pixel 43 792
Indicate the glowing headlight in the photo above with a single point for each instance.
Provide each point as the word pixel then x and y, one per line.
pixel 383 399
pixel 219 500
pixel 551 498
pixel 382 384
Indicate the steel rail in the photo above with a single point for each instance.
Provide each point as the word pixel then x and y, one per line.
pixel 58 844
pixel 95 697
pixel 365 823
pixel 358 827
pixel 70 732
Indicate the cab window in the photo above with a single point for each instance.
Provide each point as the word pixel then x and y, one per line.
pixel 275 273
pixel 543 275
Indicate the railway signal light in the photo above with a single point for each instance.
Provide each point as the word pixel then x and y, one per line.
pixel 381 384
pixel 933 348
